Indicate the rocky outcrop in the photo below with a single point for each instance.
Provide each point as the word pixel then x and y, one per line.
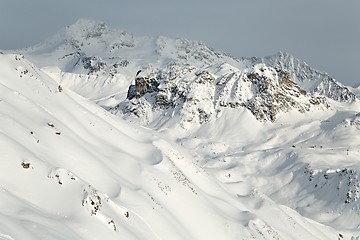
pixel 308 78
pixel 344 182
pixel 197 95
pixel 273 96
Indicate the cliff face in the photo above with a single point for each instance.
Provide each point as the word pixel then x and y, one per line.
pixel 199 95
pixel 309 78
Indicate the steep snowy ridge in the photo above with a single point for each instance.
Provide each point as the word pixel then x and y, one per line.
pixel 310 79
pixel 228 143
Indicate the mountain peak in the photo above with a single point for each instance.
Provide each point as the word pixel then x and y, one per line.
pixel 92 48
pixel 95 33
pixel 84 23
pixel 85 29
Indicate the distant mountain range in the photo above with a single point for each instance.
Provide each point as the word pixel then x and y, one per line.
pixel 266 86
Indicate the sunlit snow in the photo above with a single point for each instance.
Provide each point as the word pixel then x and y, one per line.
pixel 72 170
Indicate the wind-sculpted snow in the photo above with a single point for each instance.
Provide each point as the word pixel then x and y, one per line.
pixel 232 149
pixel 70 170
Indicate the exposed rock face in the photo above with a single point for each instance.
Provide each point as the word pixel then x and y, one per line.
pixel 308 78
pixel 197 94
pixel 352 122
pixel 274 96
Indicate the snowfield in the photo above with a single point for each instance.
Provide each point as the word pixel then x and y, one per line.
pixel 196 145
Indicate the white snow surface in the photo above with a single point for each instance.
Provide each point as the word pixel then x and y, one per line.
pixel 72 170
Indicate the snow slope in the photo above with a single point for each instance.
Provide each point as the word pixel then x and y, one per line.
pixel 72 170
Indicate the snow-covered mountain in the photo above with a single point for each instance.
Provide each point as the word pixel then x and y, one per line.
pixel 107 135
pixel 310 79
pixel 112 57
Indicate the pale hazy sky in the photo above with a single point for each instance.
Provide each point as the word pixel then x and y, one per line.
pixel 325 34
